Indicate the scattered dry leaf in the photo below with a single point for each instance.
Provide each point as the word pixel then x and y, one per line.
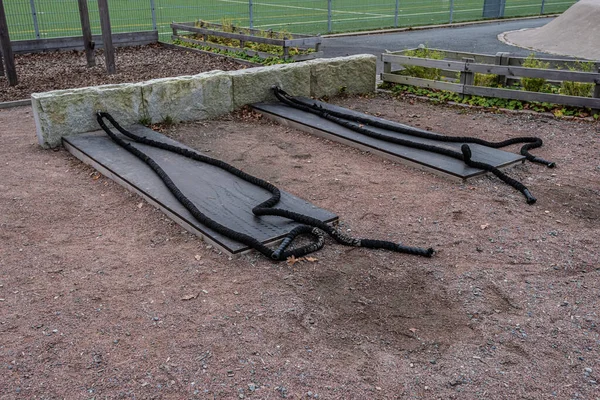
pixel 484 226
pixel 197 257
pixel 140 205
pixel 293 260
pixel 311 259
pixel 189 297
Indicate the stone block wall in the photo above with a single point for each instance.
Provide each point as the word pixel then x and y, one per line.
pixel 187 98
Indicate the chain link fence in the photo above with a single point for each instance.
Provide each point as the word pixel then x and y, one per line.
pixel 39 19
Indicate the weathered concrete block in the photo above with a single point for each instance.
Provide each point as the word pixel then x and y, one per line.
pixel 206 95
pixel 254 85
pixel 333 76
pixel 188 98
pixel 66 112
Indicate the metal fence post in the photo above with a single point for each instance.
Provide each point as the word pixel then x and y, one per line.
pixel 329 22
pixel 153 10
pixel 109 50
pixel 36 27
pixel 451 10
pixel 251 13
pixel 543 4
pixel 396 12
pixel 6 48
pixel 86 31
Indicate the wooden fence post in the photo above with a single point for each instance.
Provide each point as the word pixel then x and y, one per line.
pixel 502 58
pixel 467 78
pixel 597 88
pixel 387 66
pixel 1 64
pixel 596 93
pixel 9 58
pixel 109 50
pixel 86 30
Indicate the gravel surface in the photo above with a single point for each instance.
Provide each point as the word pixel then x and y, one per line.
pixel 101 296
pixel 42 72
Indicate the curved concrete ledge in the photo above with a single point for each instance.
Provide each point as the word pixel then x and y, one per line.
pixel 575 33
pixel 186 98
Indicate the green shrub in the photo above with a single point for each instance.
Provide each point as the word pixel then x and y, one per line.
pixel 228 26
pixel 423 72
pixel 570 88
pixel 534 84
pixel 235 54
pixel 559 111
pixel 487 80
pixel 576 89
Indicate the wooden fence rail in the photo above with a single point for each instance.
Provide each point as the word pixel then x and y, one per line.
pixel 502 65
pixel 504 58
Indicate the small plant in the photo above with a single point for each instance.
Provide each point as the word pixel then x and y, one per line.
pixel 168 120
pixel 581 89
pixel 423 72
pixel 145 120
pixel 534 84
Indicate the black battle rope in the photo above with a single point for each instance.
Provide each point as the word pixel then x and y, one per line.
pixel 349 121
pixel 311 226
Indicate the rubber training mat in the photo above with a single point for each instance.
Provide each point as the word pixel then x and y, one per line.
pixel 224 197
pixel 423 159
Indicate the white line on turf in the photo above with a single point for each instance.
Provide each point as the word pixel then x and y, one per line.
pixel 305 8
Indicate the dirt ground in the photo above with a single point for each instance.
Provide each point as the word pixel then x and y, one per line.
pixel 43 72
pixel 101 296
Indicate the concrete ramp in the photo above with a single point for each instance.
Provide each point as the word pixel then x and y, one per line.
pixel 575 33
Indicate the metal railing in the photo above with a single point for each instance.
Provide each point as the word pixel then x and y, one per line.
pixel 39 19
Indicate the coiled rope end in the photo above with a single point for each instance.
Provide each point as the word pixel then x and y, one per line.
pixel 529 196
pixel 539 160
pixel 276 255
pixel 416 251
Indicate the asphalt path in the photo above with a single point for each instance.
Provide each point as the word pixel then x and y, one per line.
pixel 477 38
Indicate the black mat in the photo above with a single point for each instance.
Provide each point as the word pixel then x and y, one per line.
pixel 217 193
pixel 436 162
